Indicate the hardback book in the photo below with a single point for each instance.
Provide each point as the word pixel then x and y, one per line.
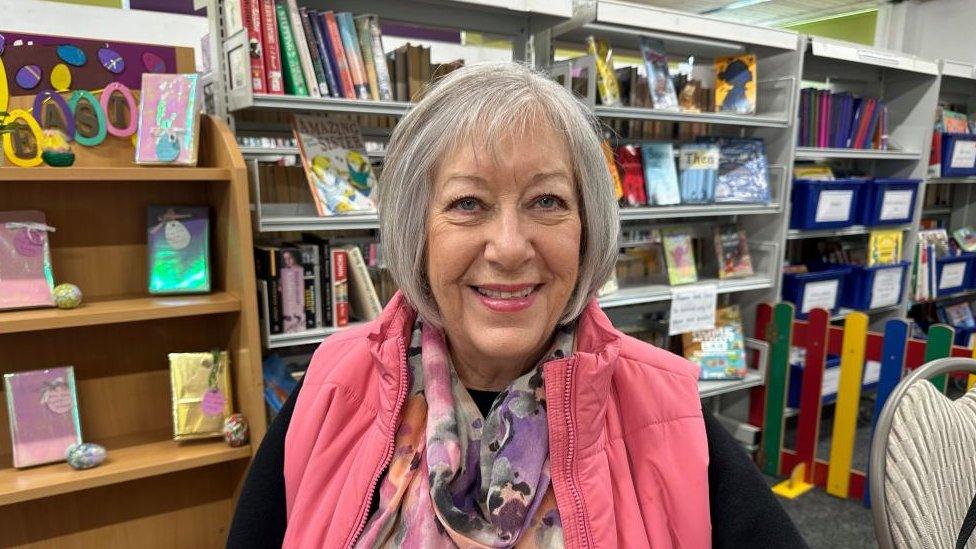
pixel 966 238
pixel 960 315
pixel 42 407
pixel 618 188
pixel 607 86
pixel 366 50
pixel 415 80
pixel 679 256
pixel 169 119
pixel 271 48
pixel 202 395
pixel 26 275
pixel 660 174
pixel 339 173
pixel 321 33
pixel 659 80
pixel 339 54
pixel 742 172
pixel 735 84
pixel 251 13
pixel 732 250
pixel 632 175
pixel 178 249
pixel 318 67
pixel 884 247
pixel 291 277
pixel 340 287
pixel 301 46
pixel 698 163
pixel 370 25
pixel 294 77
pixel 325 276
pixel 354 57
pixel 266 272
pixel 312 278
pixel 365 303
pixel 720 352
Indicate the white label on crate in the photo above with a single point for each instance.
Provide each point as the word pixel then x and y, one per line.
pixel 830 381
pixel 872 372
pixel 887 287
pixel 963 154
pixel 692 308
pixel 820 295
pixel 896 205
pixel 952 275
pixel 834 206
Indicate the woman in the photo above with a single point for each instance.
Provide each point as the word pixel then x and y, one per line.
pixel 493 404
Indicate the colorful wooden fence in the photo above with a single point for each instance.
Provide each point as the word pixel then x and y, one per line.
pixel 854 344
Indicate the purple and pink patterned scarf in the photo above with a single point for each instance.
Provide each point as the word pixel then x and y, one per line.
pixel 458 479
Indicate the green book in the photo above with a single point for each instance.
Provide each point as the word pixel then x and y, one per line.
pixel 294 79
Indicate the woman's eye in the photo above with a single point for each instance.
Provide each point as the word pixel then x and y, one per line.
pixel 466 204
pixel 548 202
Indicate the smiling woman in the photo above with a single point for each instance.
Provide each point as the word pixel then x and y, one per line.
pixel 493 404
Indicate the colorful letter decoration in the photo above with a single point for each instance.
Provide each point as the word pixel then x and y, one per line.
pixel 23 147
pixel 45 121
pixel 89 118
pixel 107 107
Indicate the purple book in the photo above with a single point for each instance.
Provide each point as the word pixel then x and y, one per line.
pixel 43 410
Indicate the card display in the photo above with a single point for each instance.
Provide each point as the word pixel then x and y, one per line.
pixel 179 249
pixel 26 275
pixel 169 119
pixel 43 409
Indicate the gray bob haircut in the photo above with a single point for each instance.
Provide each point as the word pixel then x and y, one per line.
pixel 479 104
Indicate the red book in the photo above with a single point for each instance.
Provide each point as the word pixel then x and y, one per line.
pixel 632 175
pixel 335 42
pixel 340 288
pixel 865 123
pixel 251 11
pixel 271 50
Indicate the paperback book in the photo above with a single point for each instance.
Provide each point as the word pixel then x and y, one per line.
pixel 884 247
pixel 339 173
pixel 606 84
pixel 660 174
pixel 720 352
pixel 742 172
pixel 732 250
pixel 960 315
pixel 966 238
pixel 679 256
pixel 42 406
pixel 632 175
pixel 659 80
pixel 735 84
pixel 699 164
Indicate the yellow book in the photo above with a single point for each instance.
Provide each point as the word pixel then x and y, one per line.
pixel 884 247
pixel 606 79
pixel 618 187
pixel 735 84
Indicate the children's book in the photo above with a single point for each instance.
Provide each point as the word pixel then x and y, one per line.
pixel 966 238
pixel 679 256
pixel 339 173
pixel 938 239
pixel 742 172
pixel 699 171
pixel 618 188
pixel 43 410
pixel 735 84
pixel 660 174
pixel 884 247
pixel 720 352
pixel 169 119
pixel 732 250
pixel 632 175
pixel 26 276
pixel 818 172
pixel 960 315
pixel 607 80
pixel 659 80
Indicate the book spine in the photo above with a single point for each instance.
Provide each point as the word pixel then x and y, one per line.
pixel 264 309
pixel 313 51
pixel 275 316
pixel 347 31
pixel 271 49
pixel 362 31
pixel 362 283
pixel 345 79
pixel 321 42
pixel 383 81
pixel 340 288
pixel 400 68
pixel 301 45
pixel 310 263
pixel 294 81
pixel 326 268
pixel 251 11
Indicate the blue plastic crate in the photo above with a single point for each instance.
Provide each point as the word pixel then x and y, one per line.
pixel 888 201
pixel 962 335
pixel 820 289
pixel 830 370
pixel 825 204
pixel 859 286
pixel 954 147
pixel 953 274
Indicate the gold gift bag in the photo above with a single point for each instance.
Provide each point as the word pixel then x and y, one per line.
pixel 201 393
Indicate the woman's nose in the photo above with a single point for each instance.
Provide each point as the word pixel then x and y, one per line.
pixel 509 244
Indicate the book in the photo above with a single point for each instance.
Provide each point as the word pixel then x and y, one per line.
pixel 960 315
pixel 370 26
pixel 400 69
pixel 26 273
pixel 301 47
pixel 318 68
pixel 735 84
pixel 742 172
pixel 266 271
pixel 965 238
pixel 169 119
pixel 321 33
pixel 415 83
pixel 291 279
pixel 354 57
pixel 251 13
pixel 264 310
pixel 366 50
pixel 339 54
pixel 42 407
pixel 660 174
pixel 938 239
pixel 340 287
pixel 312 276
pixel 365 303
pixel 271 48
pixel 178 249
pixel 818 172
pixel 679 256
pixel 720 352
pixel 294 77
pixel 201 391
pixel 618 188
pixel 698 164
pixel 884 247
pixel 632 175
pixel 325 275
pixel 954 122
pixel 278 382
pixel 732 250
pixel 659 81
pixel 339 173
pixel 606 79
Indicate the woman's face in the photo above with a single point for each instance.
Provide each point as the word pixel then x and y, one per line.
pixel 503 244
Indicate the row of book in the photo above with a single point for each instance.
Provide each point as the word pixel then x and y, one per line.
pixel 842 120
pixel 712 170
pixel 936 244
pixel 884 247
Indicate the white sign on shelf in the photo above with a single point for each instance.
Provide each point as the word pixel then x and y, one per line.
pixel 953 275
pixel 820 295
pixel 834 206
pixel 896 205
pixel 886 290
pixel 692 308
pixel 963 154
pixel 830 381
pixel 872 372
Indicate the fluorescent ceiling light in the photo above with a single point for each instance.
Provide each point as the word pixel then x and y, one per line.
pixel 735 5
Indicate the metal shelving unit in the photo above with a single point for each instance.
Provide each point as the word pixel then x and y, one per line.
pixel 815 153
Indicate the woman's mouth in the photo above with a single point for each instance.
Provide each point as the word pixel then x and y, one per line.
pixel 507 298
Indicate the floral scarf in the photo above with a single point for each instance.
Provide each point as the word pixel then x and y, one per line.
pixel 460 480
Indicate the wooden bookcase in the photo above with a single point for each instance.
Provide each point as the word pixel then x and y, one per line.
pixel 151 491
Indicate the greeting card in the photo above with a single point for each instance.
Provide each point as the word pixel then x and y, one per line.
pixel 26 277
pixel 201 393
pixel 43 411
pixel 179 249
pixel 169 119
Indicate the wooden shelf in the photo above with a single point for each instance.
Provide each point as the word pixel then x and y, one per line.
pixel 135 173
pixel 115 311
pixel 140 459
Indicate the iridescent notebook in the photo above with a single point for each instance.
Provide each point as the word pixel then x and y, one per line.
pixel 179 249
pixel 26 277
pixel 169 119
pixel 43 410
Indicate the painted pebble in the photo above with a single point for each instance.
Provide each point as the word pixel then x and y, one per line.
pixel 72 55
pixel 86 455
pixel 67 296
pixel 111 60
pixel 28 77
